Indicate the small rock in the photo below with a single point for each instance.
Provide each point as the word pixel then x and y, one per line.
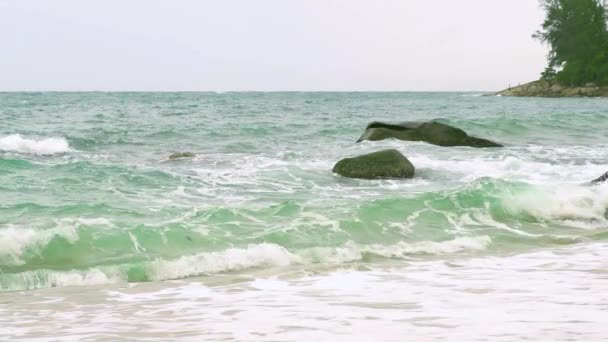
pixel 600 179
pixel 179 155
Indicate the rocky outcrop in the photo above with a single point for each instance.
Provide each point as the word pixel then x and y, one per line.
pixel 432 132
pixel 383 164
pixel 544 88
pixel 180 155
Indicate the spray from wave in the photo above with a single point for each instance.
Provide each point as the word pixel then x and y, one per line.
pixel 47 146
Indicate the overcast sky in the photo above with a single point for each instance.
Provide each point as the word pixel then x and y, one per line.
pixel 268 44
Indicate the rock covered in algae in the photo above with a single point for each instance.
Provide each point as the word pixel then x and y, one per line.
pixel 432 132
pixel 382 164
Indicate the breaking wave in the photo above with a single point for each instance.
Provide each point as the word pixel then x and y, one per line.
pixel 46 146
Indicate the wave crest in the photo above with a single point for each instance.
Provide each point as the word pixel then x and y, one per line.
pixel 48 146
pixel 263 255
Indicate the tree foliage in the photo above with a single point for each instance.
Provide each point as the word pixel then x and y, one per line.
pixel 576 32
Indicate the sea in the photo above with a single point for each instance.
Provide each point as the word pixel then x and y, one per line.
pixel 104 238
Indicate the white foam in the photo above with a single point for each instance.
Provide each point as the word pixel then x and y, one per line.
pixel 548 295
pixel 48 146
pixel 92 276
pixel 94 221
pixel 232 259
pixel 584 206
pixel 351 252
pixel 332 255
pixel 39 279
pixel 483 218
pixel 460 244
pixel 532 164
pixel 13 241
pixel 189 291
pixel 272 255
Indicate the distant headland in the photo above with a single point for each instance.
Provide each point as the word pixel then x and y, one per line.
pixel 576 32
pixel 545 88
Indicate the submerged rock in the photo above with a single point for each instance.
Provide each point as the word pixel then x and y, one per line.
pixel 432 132
pixel 383 164
pixel 179 155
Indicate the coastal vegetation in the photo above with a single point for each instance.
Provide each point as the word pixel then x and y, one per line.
pixel 576 32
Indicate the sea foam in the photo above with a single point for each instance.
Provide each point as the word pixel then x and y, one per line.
pixel 232 259
pixel 271 255
pixel 47 146
pixel 579 206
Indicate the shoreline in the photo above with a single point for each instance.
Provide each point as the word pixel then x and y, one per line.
pixel 542 88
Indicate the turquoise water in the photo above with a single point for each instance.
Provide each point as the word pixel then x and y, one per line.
pixel 88 195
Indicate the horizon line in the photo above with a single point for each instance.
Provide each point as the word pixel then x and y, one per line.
pixel 247 91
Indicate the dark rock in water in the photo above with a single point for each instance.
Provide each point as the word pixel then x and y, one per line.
pixel 600 179
pixel 432 132
pixel 382 164
pixel 179 155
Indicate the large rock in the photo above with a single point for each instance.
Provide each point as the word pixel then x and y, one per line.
pixel 382 164
pixel 433 132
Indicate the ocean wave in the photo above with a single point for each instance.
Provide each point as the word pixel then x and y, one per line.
pixel 14 241
pixel 273 255
pixel 351 251
pixel 47 146
pixel 460 244
pixel 233 259
pixel 578 206
pixel 519 212
pixel 264 255
pixel 45 278
pixel 486 214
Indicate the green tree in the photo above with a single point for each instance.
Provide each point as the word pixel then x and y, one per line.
pixel 549 74
pixel 577 34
